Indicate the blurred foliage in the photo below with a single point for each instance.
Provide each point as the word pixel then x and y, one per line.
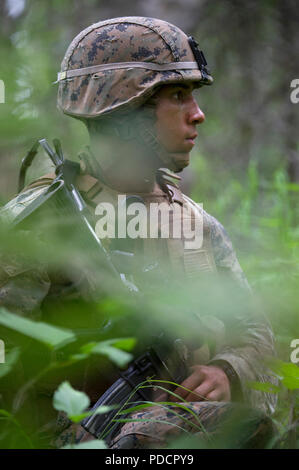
pixel 245 172
pixel 251 50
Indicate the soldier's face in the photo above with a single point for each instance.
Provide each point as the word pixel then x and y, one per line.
pixel 177 114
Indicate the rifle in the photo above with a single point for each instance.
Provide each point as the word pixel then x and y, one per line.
pixel 63 193
pixel 161 362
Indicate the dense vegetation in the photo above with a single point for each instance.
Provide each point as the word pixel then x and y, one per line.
pixel 245 171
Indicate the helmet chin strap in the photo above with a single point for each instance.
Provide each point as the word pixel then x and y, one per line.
pixel 138 126
pixel 146 135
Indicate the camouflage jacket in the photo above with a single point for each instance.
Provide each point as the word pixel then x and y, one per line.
pixel 23 286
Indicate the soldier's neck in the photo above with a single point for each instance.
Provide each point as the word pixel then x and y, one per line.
pixel 126 166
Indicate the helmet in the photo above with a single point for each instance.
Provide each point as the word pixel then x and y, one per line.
pixel 116 65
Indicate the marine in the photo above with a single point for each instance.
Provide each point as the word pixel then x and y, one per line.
pixel 131 81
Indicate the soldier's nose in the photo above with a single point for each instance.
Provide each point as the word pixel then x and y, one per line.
pixel 196 115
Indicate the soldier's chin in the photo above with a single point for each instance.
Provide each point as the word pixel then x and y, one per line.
pixel 179 162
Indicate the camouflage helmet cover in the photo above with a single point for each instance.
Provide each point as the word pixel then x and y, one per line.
pixel 117 64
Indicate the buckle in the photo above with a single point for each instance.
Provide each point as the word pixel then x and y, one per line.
pixel 61 76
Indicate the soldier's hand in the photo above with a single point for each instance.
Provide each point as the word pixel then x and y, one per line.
pixel 205 383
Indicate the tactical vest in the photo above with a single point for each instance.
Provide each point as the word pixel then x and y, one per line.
pixel 190 262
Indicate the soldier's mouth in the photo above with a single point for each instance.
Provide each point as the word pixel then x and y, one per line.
pixel 190 142
pixel 191 139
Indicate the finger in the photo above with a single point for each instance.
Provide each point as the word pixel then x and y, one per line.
pixel 180 392
pixel 161 397
pixel 200 393
pixel 188 385
pixel 219 394
pixel 214 395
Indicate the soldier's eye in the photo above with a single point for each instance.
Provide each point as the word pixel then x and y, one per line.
pixel 178 95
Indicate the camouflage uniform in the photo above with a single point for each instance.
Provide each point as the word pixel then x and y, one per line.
pixel 26 291
pixel 96 81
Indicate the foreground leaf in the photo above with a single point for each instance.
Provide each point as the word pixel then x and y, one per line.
pixel 112 348
pixel 120 358
pixel 49 335
pixel 267 387
pixel 69 400
pixel 287 372
pixel 100 410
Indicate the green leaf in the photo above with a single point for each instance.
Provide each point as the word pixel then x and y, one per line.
pixel 87 349
pixel 112 348
pixel 10 359
pixel 5 413
pixel 98 411
pixel 291 383
pixel 120 358
pixel 69 400
pixel 77 357
pixel 287 372
pixel 267 387
pixel 101 409
pixel 49 335
pixel 95 444
pixel 136 408
pixel 126 344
